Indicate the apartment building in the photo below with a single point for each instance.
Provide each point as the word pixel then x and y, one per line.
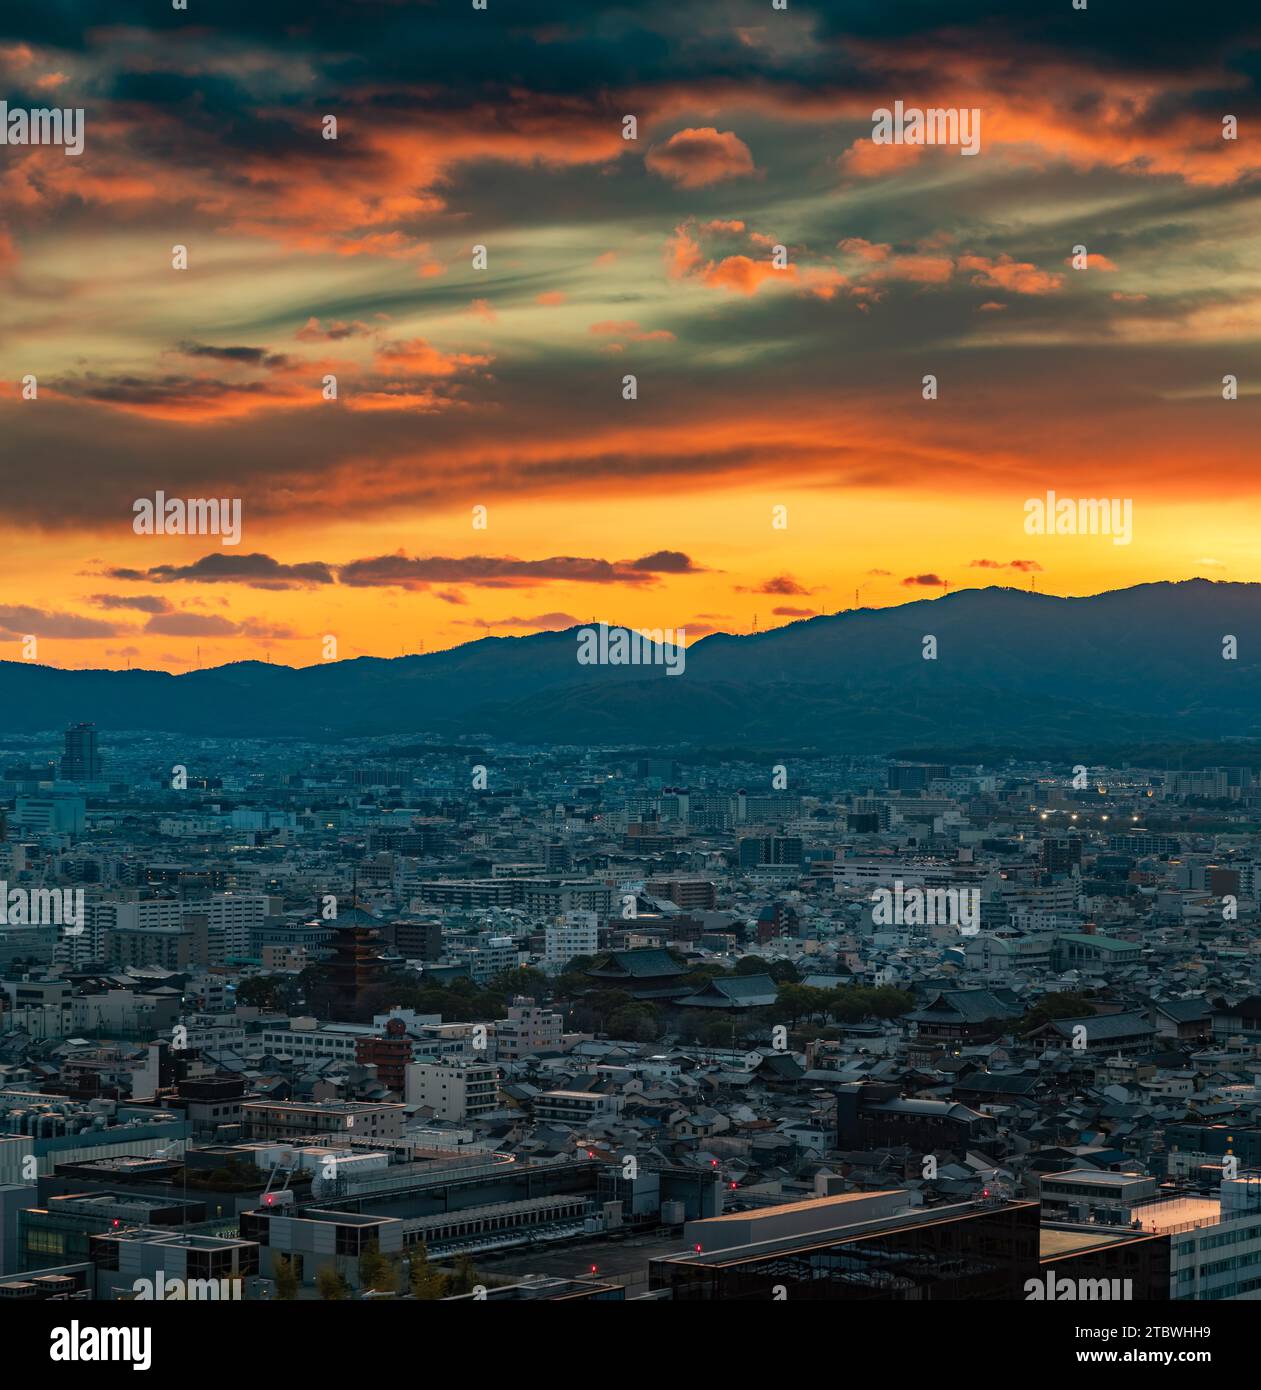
pixel 527 1030
pixel 455 1090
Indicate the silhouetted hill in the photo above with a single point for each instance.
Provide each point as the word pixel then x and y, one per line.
pixel 1012 667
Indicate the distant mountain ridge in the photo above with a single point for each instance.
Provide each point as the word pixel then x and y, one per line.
pixel 1013 666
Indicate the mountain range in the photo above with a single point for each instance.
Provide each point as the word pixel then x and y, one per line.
pixel 1025 669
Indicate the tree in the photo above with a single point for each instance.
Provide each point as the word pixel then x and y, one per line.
pixel 802 1001
pixel 286 1277
pixel 376 1273
pixel 330 1284
pixel 259 992
pixel 425 1282
pixel 1053 1006
pixel 633 1023
pixel 716 1033
pixel 783 972
pixel 465 1278
pixel 523 980
pixel 888 1002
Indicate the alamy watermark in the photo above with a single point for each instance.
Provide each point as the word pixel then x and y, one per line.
pixel 1053 1289
pixel 78 1342
pixel 938 125
pixel 42 125
pixel 621 646
pixel 927 907
pixel 161 515
pixel 175 1290
pixel 1081 516
pixel 42 907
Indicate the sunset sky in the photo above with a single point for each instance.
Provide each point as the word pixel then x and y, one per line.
pixel 501 388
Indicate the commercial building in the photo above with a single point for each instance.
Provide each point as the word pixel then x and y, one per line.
pixel 81 761
pixel 982 1250
pixel 283 1120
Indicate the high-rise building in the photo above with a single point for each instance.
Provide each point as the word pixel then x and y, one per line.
pixel 577 933
pixel 1061 853
pixel 757 851
pixel 81 762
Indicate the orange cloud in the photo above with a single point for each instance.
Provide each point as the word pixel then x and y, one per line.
pixel 1094 261
pixel 416 357
pixel 923 270
pixel 1004 273
pixel 864 249
pixel 628 328
pixel 863 160
pixel 695 158
pixel 743 274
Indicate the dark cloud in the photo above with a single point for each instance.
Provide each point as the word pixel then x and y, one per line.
pixel 139 603
pixel 171 390
pixel 247 356
pixel 665 562
pixel 192 625
pixel 1143 35
pixel 212 625
pixel 18 620
pixel 404 571
pixel 313 332
pixel 780 584
pixel 540 622
pixel 258 571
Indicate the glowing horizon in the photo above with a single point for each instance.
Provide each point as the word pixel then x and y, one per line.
pixel 790 389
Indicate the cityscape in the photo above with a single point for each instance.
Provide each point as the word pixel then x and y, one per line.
pixel 411 1020
pixel 630 672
